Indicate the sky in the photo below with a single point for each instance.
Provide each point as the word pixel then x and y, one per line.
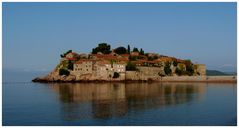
pixel 35 34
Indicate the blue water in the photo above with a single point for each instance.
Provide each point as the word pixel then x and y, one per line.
pixel 27 103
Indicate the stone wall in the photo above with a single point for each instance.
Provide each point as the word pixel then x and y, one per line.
pixel 133 75
pixel 151 73
pixel 201 69
pixel 184 78
pixel 144 73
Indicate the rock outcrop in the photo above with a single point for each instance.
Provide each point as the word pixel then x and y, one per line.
pixel 55 77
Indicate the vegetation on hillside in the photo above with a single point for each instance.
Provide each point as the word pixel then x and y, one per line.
pixel 167 69
pixel 63 71
pixel 120 50
pixel 103 48
pixel 170 65
pixel 116 75
pixel 216 73
pixel 64 54
pixel 128 49
pixel 131 67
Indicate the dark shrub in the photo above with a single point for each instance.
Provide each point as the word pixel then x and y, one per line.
pixel 64 72
pixel 103 48
pixel 70 65
pixel 116 75
pixel 167 69
pixel 120 50
pixel 178 71
pixel 131 67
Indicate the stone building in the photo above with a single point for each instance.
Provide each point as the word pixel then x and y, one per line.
pixel 134 53
pixel 119 67
pixel 101 69
pixel 106 69
pixel 200 69
pixel 82 67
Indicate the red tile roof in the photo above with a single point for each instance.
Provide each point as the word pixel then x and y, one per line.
pixel 83 60
pixel 104 56
pixel 123 59
pixel 102 63
pixel 70 58
pixel 126 55
pixel 73 53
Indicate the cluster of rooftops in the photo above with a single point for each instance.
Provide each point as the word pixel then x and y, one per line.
pixel 121 58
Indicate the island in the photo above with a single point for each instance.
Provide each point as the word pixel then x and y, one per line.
pixel 122 64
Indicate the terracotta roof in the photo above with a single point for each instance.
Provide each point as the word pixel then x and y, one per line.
pixel 152 54
pixel 105 56
pixel 157 60
pixel 145 61
pixel 83 60
pixel 70 58
pixel 139 61
pixel 121 62
pixel 164 59
pixel 124 55
pixel 82 54
pixel 103 62
pixel 123 59
pixel 73 53
pixel 179 60
pixel 143 56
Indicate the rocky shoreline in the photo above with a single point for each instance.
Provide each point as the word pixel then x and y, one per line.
pixel 52 78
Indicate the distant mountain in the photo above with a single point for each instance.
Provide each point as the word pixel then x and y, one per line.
pixel 219 73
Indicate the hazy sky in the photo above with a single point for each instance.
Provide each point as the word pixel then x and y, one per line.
pixel 35 34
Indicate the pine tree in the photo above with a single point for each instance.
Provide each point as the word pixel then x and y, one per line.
pixel 128 50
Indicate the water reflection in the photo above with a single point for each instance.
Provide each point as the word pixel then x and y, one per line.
pixel 117 99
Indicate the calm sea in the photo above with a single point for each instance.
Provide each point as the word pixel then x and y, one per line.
pixel 27 103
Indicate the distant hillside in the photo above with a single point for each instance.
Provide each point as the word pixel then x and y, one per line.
pixel 218 73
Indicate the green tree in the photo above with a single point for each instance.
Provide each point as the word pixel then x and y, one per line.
pixel 94 51
pixel 178 71
pixel 167 69
pixel 175 63
pixel 64 54
pixel 141 52
pixel 190 69
pixel 63 71
pixel 133 58
pixel 103 48
pixel 128 49
pixel 70 65
pixel 152 58
pixel 135 50
pixel 187 62
pixel 116 75
pixel 120 50
pixel 131 67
